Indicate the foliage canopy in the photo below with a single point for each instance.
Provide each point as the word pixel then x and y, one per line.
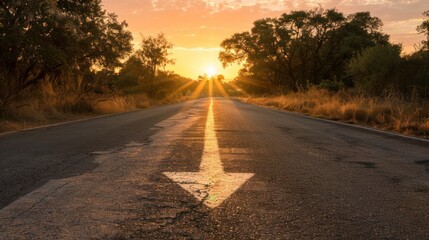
pixel 47 38
pixel 301 47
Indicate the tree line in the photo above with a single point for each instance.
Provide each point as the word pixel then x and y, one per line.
pixel 76 47
pixel 327 49
pixel 144 71
pixel 76 50
pixel 44 39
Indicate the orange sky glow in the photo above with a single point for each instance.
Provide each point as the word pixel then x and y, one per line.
pixel 197 27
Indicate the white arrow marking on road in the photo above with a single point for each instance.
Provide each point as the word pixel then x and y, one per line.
pixel 211 184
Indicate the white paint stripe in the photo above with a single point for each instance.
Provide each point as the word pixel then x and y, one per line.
pixel 210 162
pixel 211 185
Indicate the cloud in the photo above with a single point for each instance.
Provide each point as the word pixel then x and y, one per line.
pixel 197 27
pixel 205 23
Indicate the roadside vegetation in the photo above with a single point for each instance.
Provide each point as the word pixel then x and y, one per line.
pixel 63 60
pixel 390 113
pixel 323 63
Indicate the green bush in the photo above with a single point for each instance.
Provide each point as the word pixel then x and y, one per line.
pixel 374 69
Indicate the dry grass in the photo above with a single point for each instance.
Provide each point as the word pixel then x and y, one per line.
pixel 389 113
pixel 49 107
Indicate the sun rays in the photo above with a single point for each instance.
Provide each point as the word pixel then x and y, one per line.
pixel 205 87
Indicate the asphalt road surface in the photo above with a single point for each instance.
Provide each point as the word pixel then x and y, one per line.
pixel 212 169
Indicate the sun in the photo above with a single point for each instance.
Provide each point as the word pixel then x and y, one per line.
pixel 211 71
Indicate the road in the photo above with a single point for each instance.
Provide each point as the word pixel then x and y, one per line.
pixel 212 169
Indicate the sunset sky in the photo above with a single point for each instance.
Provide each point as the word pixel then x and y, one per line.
pixel 196 27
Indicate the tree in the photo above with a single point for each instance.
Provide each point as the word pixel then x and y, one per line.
pixel 171 85
pixel 153 55
pixel 301 47
pixel 375 67
pixel 131 74
pixel 424 29
pixel 415 67
pixel 44 38
pixel 413 74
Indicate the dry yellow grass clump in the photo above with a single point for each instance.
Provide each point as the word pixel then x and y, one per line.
pixel 389 113
pixel 52 108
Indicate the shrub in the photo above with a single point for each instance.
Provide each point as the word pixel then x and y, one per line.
pixel 374 68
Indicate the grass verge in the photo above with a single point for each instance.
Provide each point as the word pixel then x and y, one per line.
pixel 388 113
pixel 40 111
